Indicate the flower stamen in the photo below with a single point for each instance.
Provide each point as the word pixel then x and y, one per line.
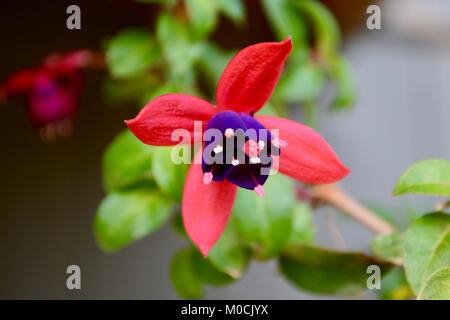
pixel 255 160
pixel 207 177
pixel 261 144
pixel 229 133
pixel 251 149
pixel 259 189
pixel 218 149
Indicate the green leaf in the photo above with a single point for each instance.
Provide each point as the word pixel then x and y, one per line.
pixel 394 286
pixel 134 91
pixel 203 16
pixel 168 176
pixel 125 162
pixel 124 217
pixel 437 286
pixel 286 21
pixel 389 247
pixel 268 109
pixel 178 50
pixel 427 248
pixel 265 222
pixel 183 275
pixel 207 272
pixel 326 28
pixel 342 74
pixel 303 82
pixel 302 225
pixel 212 62
pixel 233 9
pixel 426 177
pixel 189 271
pixel 326 272
pixel 164 89
pixel 229 255
pixel 130 53
pixel 177 223
pixel 171 32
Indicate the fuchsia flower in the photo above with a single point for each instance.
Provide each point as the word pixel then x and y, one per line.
pixel 52 89
pixel 210 188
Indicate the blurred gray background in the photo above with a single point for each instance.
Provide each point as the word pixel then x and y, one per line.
pixel 49 192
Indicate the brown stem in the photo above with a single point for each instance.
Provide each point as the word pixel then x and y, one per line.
pixel 332 195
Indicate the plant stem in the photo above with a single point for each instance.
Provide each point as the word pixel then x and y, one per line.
pixel 333 229
pixel 332 195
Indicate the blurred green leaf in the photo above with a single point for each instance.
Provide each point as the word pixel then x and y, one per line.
pixel 437 287
pixel 426 177
pixel 203 15
pixel 178 50
pixel 212 62
pixel 189 271
pixel 183 275
pixel 126 162
pixel 326 272
pixel 286 21
pixel 342 74
pixel 389 247
pixel 302 82
pixel 168 176
pixel 228 259
pixel 127 216
pixel 233 9
pixel 326 28
pixel 310 113
pixel 177 224
pixel 130 53
pixel 394 286
pixel 229 255
pixel 268 109
pixel 134 90
pixel 427 248
pixel 265 222
pixel 207 272
pixel 164 89
pixel 302 225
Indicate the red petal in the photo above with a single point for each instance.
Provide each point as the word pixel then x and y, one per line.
pixel 160 117
pixel 249 79
pixel 307 157
pixel 206 208
pixel 19 82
